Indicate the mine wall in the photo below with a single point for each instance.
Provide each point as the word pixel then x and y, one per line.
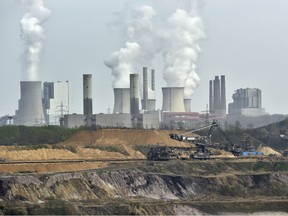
pixel 96 186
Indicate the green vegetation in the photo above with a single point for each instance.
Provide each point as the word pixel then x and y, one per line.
pixel 110 148
pixel 69 148
pixel 23 135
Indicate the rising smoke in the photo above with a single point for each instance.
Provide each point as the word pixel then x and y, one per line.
pixel 137 31
pixel 121 64
pixel 32 33
pixel 177 39
pixel 181 51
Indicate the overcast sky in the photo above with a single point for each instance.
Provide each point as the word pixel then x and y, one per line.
pixel 246 40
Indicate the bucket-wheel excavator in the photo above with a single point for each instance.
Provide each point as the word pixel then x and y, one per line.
pixel 203 143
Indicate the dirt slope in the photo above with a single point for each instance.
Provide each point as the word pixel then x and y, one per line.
pixel 125 137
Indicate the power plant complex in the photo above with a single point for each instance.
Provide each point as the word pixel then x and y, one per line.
pixel 48 104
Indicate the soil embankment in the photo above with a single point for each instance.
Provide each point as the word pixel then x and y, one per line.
pixel 151 188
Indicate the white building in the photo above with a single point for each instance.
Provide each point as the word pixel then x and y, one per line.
pixel 56 101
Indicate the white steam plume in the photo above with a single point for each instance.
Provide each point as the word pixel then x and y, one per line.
pixel 177 39
pixel 32 33
pixel 121 64
pixel 182 49
pixel 137 27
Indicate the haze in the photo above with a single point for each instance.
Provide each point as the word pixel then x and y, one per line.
pixel 245 40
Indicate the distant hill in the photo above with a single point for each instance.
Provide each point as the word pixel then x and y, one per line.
pixel 268 135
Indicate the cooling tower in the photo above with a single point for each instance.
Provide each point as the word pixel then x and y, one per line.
pixel 121 100
pixel 87 98
pixel 145 88
pixel 173 99
pixel 153 80
pixel 187 105
pixel 151 105
pixel 134 94
pixel 30 110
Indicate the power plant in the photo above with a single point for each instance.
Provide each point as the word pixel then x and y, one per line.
pixel 49 105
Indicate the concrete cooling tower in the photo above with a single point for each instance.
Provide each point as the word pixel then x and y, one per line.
pixel 173 99
pixel 30 107
pixel 151 105
pixel 187 104
pixel 121 100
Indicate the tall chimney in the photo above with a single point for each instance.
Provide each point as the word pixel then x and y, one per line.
pixel 87 98
pixel 217 100
pixel 211 97
pixel 30 107
pixel 134 94
pixel 145 88
pixel 173 99
pixel 153 80
pixel 121 100
pixel 223 96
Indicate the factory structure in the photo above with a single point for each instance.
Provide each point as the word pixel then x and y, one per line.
pixel 48 104
pixel 247 102
pixel 55 101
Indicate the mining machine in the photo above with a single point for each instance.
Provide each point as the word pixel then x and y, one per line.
pixel 203 143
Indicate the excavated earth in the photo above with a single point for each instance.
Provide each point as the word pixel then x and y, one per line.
pixel 39 183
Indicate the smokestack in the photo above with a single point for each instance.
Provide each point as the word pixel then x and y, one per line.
pixel 217 100
pixel 87 98
pixel 173 99
pixel 187 104
pixel 134 94
pixel 153 80
pixel 211 97
pixel 145 88
pixel 30 110
pixel 121 100
pixel 223 96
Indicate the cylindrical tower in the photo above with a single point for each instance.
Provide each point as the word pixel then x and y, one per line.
pixel 87 98
pixel 152 79
pixel 217 100
pixel 134 94
pixel 30 112
pixel 211 97
pixel 173 99
pixel 145 88
pixel 121 100
pixel 187 104
pixel 223 96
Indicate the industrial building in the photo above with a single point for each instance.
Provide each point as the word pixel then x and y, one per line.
pixel 50 106
pixel 73 120
pixel 246 102
pixel 56 101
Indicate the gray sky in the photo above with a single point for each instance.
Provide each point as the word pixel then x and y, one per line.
pixel 246 41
